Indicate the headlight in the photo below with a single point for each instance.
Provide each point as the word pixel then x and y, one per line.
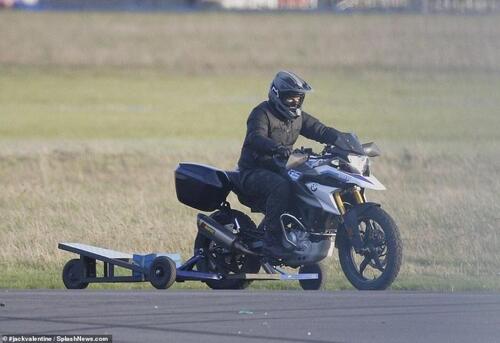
pixel 358 163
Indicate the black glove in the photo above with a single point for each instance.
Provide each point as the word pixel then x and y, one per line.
pixel 282 151
pixel 349 142
pixel 342 144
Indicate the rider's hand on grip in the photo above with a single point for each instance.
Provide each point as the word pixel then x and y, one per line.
pixel 282 151
pixel 342 144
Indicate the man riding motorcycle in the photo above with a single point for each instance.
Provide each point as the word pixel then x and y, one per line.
pixel 272 129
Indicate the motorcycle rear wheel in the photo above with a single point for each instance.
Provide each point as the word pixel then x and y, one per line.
pixel 378 268
pixel 230 263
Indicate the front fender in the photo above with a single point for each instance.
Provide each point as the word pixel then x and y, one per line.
pixel 349 227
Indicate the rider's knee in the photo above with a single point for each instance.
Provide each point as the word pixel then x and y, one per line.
pixel 282 189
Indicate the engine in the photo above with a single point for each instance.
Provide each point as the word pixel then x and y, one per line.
pixel 306 247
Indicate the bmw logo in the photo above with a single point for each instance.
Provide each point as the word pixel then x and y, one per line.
pixel 314 187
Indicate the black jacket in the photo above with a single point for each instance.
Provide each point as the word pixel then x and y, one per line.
pixel 266 130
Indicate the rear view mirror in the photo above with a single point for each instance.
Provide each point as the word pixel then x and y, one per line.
pixel 371 149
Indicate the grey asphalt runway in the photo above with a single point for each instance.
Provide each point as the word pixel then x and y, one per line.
pixel 249 316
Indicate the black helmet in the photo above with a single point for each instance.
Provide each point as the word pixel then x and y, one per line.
pixel 287 94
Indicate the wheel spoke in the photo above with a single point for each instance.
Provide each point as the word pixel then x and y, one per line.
pixel 363 265
pixel 379 266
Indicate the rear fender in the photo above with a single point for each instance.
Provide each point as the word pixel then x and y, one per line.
pixel 349 227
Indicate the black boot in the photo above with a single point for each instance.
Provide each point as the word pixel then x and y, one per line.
pixel 273 243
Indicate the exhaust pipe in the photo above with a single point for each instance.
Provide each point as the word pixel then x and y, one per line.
pixel 220 234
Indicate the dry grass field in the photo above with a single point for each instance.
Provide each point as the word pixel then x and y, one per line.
pixel 96 110
pixel 214 42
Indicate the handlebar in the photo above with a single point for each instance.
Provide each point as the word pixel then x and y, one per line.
pixel 369 149
pixel 327 152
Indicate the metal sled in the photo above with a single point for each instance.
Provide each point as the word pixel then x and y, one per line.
pixel 162 270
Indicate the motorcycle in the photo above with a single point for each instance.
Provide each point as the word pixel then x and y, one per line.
pixel 328 206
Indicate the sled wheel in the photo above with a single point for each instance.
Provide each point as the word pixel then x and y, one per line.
pixel 72 274
pixel 314 284
pixel 376 267
pixel 162 272
pixel 221 261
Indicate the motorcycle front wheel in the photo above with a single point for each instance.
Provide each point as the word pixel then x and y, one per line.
pixel 376 267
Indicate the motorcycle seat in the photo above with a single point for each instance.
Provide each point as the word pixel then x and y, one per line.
pixel 256 204
pixel 235 180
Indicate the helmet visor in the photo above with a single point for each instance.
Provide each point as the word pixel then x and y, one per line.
pixel 292 100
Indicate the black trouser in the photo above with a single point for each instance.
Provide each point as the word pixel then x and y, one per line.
pixel 265 184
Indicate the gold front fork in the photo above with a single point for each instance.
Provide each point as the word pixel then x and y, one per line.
pixel 358 197
pixel 356 191
pixel 339 202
